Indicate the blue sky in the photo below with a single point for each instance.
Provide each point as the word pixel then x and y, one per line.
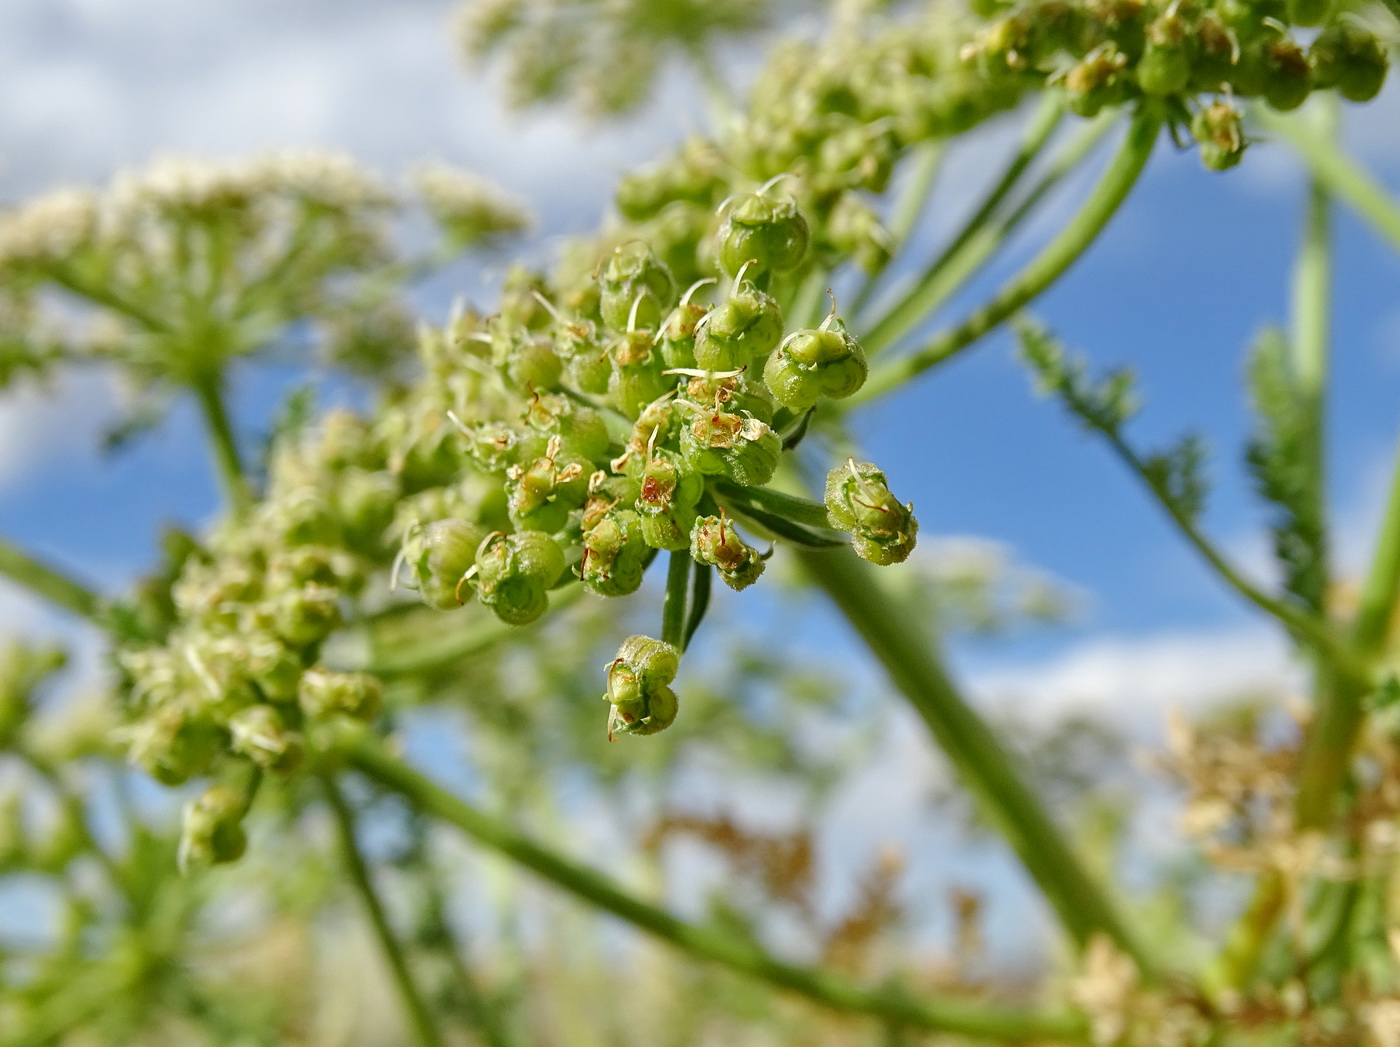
pixel 1184 277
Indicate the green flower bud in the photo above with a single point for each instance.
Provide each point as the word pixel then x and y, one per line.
pixel 439 557
pixel 858 500
pixel 261 734
pixel 588 360
pixel 1349 58
pixel 737 446
pixel 812 364
pixel 637 379
pixel 212 832
pixel 325 693
pixel 307 615
pixel 614 553
pixel 173 746
pixel 714 541
pixel 515 572
pixel 1220 132
pixel 639 690
pixel 636 289
pixel 743 328
pixel 767 232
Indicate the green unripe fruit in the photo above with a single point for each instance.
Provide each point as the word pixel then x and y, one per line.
pixel 666 501
pixel 260 733
pixel 1308 12
pixel 738 446
pixel 439 556
pixel 514 574
pixel 1163 70
pixel 530 363
pixel 172 746
pixel 745 327
pixel 853 230
pixel 767 231
pixel 212 830
pixel 541 494
pixel 735 391
pixel 714 541
pixel 1096 81
pixel 636 378
pixel 614 554
pixel 1220 131
pixel 366 501
pixel 639 690
pixel 809 365
pixel 307 615
pixel 586 358
pixel 858 500
pixel 635 288
pixel 677 336
pixel 582 431
pixel 1351 59
pixel 1288 80
pixel 1215 49
pixel 326 693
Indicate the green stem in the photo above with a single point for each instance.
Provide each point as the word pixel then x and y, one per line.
pixel 948 1015
pixel 699 600
pixel 1333 168
pixel 56 587
pixel 1057 256
pixel 418 1013
pixel 209 390
pixel 1381 590
pixel 916 303
pixel 677 589
pixel 892 633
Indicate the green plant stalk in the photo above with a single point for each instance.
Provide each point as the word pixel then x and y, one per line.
pixel 891 632
pixel 416 1007
pixel 208 389
pixel 677 589
pixel 1381 591
pixel 1053 260
pixel 1333 168
pixel 373 759
pixel 953 270
pixel 54 586
pixel 913 306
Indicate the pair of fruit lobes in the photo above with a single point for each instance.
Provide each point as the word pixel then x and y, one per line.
pixel 639 686
pixel 858 500
pixel 511 573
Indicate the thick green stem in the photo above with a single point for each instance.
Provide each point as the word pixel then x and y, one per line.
pixel 917 302
pixel 1053 260
pixel 1333 168
pixel 54 586
pixel 677 590
pixel 209 390
pixel 948 1015
pixel 1381 590
pixel 908 655
pixel 416 1007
